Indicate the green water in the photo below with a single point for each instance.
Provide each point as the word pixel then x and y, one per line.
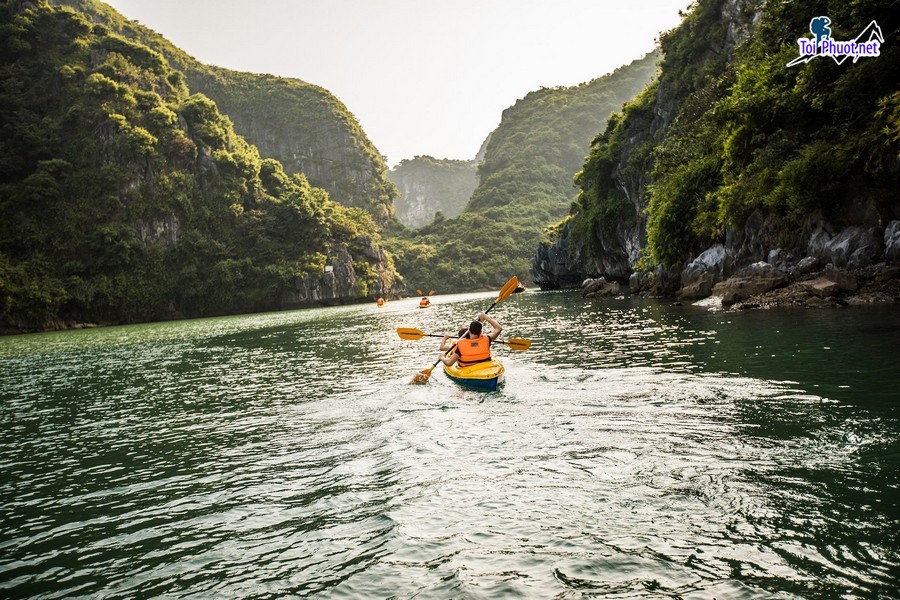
pixel 637 450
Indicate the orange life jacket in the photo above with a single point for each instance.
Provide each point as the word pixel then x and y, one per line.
pixel 473 351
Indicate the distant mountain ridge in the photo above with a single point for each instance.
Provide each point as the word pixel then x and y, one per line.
pixel 430 187
pixel 525 183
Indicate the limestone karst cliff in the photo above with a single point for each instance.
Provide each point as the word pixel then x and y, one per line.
pixel 301 125
pixel 524 184
pixel 125 196
pixel 733 158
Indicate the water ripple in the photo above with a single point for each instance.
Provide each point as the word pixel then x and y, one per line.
pixel 638 451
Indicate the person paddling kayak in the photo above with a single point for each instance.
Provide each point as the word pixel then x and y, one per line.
pixel 475 347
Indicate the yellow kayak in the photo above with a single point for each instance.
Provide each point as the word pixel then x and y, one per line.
pixel 486 375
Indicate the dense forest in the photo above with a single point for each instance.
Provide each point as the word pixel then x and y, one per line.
pixel 138 184
pixel 730 133
pixel 301 125
pixel 125 197
pixel 525 184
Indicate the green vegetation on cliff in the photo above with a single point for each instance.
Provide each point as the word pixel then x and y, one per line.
pixel 301 125
pixel 525 185
pixel 305 128
pixel 750 134
pixel 124 197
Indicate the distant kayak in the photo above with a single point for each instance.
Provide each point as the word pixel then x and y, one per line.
pixel 519 288
pixel 488 375
pixel 424 303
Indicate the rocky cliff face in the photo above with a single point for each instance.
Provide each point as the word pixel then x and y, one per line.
pixel 622 244
pixel 301 125
pixel 428 186
pixel 307 130
pixel 146 204
pixel 566 263
pixel 341 283
pixel 765 251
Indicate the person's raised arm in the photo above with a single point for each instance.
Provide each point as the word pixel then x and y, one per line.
pixel 495 333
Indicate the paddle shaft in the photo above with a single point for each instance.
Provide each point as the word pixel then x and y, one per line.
pixel 435 335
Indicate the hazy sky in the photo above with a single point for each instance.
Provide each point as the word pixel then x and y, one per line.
pixel 421 76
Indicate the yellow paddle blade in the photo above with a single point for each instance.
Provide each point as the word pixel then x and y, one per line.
pixel 419 292
pixel 408 333
pixel 431 292
pixel 422 376
pixel 508 288
pixel 518 344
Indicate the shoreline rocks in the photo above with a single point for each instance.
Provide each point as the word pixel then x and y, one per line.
pixel 832 287
pixel 856 265
pixel 755 279
pixel 703 273
pixel 594 288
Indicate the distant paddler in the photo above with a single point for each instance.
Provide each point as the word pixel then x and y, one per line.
pixel 380 302
pixel 425 302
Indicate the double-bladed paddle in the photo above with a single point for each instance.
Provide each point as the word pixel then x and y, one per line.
pixel 423 375
pixel 408 333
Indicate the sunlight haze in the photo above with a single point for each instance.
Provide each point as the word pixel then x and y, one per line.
pixel 421 77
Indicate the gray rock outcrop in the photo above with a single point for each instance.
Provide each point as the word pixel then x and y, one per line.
pixel 340 283
pixel 851 247
pixel 756 278
pixel 702 273
pixel 593 288
pixel 892 242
